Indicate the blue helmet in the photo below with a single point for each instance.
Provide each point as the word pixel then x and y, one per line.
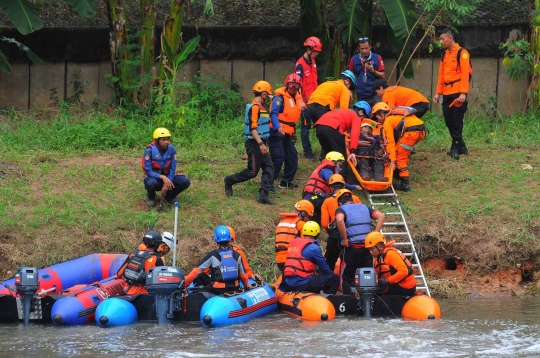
pixel 348 75
pixel 363 105
pixel 222 234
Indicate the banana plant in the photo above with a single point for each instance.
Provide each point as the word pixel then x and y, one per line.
pixel 23 14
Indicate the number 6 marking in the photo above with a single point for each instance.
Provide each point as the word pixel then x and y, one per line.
pixel 342 307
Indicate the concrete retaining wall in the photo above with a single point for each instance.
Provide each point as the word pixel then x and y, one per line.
pixel 235 55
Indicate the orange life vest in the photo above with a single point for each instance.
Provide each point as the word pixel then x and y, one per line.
pixel 286 230
pixel 296 264
pixel 315 183
pixel 291 110
pixel 385 270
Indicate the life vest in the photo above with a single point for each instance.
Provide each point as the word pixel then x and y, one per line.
pixel 291 111
pixel 315 183
pixel 285 231
pixel 309 77
pixel 296 264
pixel 228 273
pixel 401 127
pixel 263 125
pixel 161 163
pixel 357 222
pixel 384 270
pixel 135 273
pixel 365 90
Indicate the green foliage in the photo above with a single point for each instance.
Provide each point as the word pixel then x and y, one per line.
pixel 518 61
pixel 4 64
pixel 353 20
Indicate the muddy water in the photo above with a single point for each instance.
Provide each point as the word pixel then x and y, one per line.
pixel 501 327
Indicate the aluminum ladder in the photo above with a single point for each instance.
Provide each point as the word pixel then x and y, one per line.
pixel 395 228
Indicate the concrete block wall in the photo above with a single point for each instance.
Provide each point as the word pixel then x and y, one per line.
pixel 33 86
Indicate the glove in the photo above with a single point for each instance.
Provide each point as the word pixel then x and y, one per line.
pixel 383 283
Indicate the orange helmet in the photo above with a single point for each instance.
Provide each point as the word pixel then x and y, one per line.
pixel 380 106
pixel 314 43
pixel 262 86
pixel 344 193
pixel 305 206
pixel 233 233
pixel 336 178
pixel 294 78
pixel 373 238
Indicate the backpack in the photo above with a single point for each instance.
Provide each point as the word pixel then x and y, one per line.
pixel 458 56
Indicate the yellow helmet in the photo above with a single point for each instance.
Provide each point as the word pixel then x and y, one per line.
pixel 380 106
pixel 336 178
pixel 233 233
pixel 305 205
pixel 373 238
pixel 311 228
pixel 161 133
pixel 335 156
pixel 262 86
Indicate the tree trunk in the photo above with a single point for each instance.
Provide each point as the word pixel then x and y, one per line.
pixel 118 46
pixel 147 41
pixel 170 38
pixel 535 49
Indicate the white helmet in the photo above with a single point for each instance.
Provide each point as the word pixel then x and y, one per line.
pixel 168 239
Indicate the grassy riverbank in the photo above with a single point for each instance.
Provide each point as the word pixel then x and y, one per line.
pixel 71 184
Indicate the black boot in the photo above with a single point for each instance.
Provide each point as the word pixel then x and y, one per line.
pixel 462 148
pixel 228 187
pixel 453 152
pixel 264 199
pixel 404 185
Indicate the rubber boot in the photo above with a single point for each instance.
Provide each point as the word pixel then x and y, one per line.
pixel 404 185
pixel 264 199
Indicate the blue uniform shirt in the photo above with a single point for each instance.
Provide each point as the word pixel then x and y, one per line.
pixel 277 108
pixel 327 173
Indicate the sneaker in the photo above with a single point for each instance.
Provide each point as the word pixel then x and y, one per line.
pixel 228 187
pixel 285 185
pixel 151 202
pixel 310 156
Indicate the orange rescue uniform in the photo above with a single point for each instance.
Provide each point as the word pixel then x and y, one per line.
pixel 332 94
pixel 394 266
pixel 149 263
pixel 288 228
pixel 454 78
pixel 398 144
pixel 402 96
pixel 245 263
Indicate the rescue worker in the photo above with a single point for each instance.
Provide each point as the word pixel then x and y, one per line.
pixel 453 84
pixel 395 272
pixel 396 96
pixel 367 67
pixel 354 224
pixel 159 166
pixel 317 188
pixel 256 133
pixel 147 255
pixel 289 227
pixel 237 248
pixel 328 96
pixel 225 266
pixel 328 217
pixel 378 114
pixel 303 256
pixel 284 113
pixel 333 125
pixel 402 130
pixel 306 68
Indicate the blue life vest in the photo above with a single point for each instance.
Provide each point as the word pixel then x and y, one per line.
pixel 228 267
pixel 357 222
pixel 363 89
pixel 263 127
pixel 161 163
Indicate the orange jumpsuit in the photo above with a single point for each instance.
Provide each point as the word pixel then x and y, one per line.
pixel 332 94
pixel 402 96
pixel 399 145
pixel 393 260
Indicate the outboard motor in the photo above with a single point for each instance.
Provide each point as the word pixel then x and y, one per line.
pixel 366 286
pixel 166 285
pixel 27 283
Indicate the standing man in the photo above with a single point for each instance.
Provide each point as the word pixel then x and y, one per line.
pixel 453 84
pixel 284 113
pixel 159 166
pixel 306 68
pixel 354 224
pixel 329 95
pixel 256 133
pixel 401 96
pixel 367 67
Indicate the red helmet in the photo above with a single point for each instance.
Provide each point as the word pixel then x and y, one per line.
pixel 293 77
pixel 314 43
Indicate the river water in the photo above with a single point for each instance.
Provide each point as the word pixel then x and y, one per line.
pixel 495 327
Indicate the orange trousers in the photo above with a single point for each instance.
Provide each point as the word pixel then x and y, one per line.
pixel 409 139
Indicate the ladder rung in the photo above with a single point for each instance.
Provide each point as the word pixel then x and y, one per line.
pixel 395 233
pixel 398 213
pixel 397 223
pixel 400 243
pixel 380 195
pixel 378 203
